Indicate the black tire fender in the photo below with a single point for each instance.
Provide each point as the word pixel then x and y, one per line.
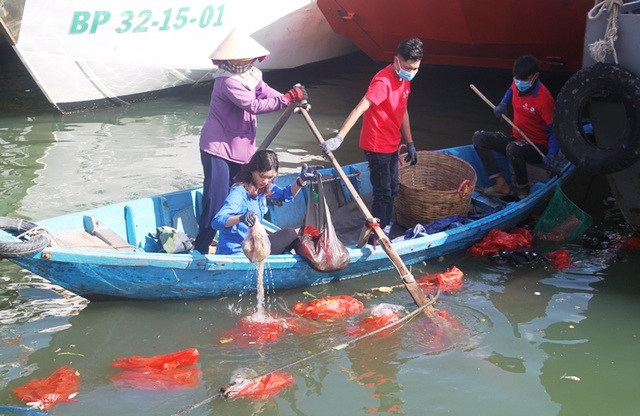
pixel 600 79
pixel 32 243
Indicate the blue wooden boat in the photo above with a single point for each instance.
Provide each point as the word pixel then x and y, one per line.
pixel 132 265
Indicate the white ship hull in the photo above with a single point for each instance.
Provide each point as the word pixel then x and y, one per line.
pixel 85 55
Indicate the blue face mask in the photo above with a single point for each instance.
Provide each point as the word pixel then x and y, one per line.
pixel 522 85
pixel 403 73
pixel 406 75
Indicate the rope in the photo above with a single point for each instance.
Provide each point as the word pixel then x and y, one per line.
pixel 599 49
pixel 339 347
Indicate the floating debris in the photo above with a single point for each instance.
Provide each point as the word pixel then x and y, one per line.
pixel 572 378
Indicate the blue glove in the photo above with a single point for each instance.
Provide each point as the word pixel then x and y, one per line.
pixel 549 160
pixel 331 144
pixel 412 155
pixel 307 173
pixel 249 218
pixel 500 110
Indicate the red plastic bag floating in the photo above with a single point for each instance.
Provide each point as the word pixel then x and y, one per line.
pixel 630 243
pixel 160 362
pixel 160 372
pixel 438 333
pixel 448 281
pixel 561 259
pixel 329 307
pixel 262 328
pixel 261 388
pixel 380 316
pixel 154 379
pixel 61 386
pixel 498 240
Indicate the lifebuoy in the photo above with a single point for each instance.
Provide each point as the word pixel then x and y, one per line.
pixel 598 81
pixel 35 242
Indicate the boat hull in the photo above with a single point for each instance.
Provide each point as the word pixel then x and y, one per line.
pixel 114 52
pixel 487 33
pixel 107 274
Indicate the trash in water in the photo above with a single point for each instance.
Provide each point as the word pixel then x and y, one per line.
pixel 44 393
pixel 329 307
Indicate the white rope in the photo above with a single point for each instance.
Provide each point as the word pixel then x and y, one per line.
pixel 599 49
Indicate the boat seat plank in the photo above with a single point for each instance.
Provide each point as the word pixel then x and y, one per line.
pixel 95 228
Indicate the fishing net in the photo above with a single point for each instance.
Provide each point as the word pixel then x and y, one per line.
pixel 562 220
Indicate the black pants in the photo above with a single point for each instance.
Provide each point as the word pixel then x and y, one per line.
pixel 283 240
pixel 383 168
pixel 218 175
pixel 518 152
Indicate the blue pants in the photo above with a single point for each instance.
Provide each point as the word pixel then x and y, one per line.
pixel 518 152
pixel 383 168
pixel 218 177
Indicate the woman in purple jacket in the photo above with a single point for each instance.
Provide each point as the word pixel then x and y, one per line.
pixel 228 136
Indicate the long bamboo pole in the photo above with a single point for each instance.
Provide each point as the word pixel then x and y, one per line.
pixel 507 119
pixel 405 275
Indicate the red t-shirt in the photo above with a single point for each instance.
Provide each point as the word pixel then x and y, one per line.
pixel 532 113
pixel 381 122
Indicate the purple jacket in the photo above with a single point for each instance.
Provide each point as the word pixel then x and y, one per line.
pixel 229 131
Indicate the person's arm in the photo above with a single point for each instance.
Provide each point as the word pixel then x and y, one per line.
pixel 405 128
pixel 229 215
pixel 333 143
pixel 254 101
pixel 353 117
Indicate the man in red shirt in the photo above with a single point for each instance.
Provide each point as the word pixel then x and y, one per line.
pixel 533 113
pixel 384 124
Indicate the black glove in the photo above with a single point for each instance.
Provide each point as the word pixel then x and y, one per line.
pixel 307 173
pixel 296 94
pixel 249 218
pixel 500 110
pixel 412 155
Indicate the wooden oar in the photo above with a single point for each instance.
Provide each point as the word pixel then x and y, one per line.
pixel 281 121
pixel 277 127
pixel 504 117
pixel 405 275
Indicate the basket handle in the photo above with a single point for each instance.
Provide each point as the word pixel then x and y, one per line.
pixel 401 155
pixel 463 189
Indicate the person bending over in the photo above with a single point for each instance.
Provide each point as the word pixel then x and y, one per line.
pixel 247 202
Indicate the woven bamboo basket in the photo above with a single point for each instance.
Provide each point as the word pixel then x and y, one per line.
pixel 438 186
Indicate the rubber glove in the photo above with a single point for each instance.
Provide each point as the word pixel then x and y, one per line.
pixel 331 144
pixel 307 173
pixel 549 160
pixel 249 218
pixel 500 110
pixel 296 94
pixel 412 155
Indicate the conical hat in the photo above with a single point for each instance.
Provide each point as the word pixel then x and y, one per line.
pixel 238 45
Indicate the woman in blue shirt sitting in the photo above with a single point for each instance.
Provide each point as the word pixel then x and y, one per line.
pixel 247 203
